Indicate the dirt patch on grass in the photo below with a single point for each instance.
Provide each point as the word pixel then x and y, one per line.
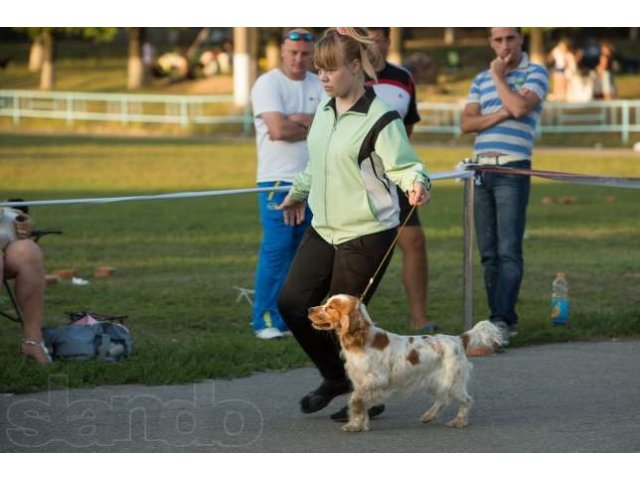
pixel 218 85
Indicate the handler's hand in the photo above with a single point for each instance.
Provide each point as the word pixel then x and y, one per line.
pixel 499 66
pixel 24 227
pixel 419 195
pixel 292 211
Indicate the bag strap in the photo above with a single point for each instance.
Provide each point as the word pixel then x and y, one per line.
pixel 103 346
pixel 103 317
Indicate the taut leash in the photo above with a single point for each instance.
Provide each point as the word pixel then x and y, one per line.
pixel 389 250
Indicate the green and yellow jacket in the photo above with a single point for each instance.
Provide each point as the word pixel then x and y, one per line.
pixel 355 161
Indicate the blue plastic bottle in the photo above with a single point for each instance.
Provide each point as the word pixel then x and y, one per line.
pixel 559 309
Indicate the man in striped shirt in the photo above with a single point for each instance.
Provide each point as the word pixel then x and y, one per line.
pixel 503 109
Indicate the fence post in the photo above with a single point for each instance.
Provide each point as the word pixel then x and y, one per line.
pixel 124 110
pixel 625 122
pixel 16 109
pixel 457 132
pixel 467 260
pixel 184 113
pixel 247 120
pixel 69 108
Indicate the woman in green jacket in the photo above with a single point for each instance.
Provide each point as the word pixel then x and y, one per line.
pixel 358 151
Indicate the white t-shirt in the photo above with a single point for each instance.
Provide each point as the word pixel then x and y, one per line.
pixel 275 92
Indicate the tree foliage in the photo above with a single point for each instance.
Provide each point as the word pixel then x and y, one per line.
pixel 100 34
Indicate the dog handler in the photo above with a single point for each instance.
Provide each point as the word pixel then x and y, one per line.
pixel 358 149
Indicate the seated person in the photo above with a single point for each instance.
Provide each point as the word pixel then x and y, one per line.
pixel 23 261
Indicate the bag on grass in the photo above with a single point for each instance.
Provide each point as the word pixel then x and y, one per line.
pixel 89 336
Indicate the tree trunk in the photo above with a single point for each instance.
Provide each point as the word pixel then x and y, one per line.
pixel 135 69
pixel 244 64
pixel 36 54
pixel 272 50
pixel 536 45
pixel 48 73
pixel 449 35
pixel 395 49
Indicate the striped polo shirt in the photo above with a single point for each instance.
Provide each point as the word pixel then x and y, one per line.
pixel 512 136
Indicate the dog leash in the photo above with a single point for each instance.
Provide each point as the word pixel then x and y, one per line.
pixel 389 250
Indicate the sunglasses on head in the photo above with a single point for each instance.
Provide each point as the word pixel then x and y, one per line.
pixel 297 36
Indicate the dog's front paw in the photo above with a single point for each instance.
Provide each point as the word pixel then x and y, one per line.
pixel 354 427
pixel 427 417
pixel 458 422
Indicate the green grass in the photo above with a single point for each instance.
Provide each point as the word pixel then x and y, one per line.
pixel 178 261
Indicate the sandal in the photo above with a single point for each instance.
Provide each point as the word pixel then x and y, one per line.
pixel 37 351
pixel 428 329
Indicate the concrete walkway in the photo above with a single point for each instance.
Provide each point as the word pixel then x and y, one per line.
pixel 576 397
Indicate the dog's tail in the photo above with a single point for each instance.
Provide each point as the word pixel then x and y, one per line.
pixel 483 336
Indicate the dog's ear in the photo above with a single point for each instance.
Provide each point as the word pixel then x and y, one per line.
pixel 356 322
pixel 355 328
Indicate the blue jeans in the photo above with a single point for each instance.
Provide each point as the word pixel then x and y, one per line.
pixel 279 244
pixel 500 215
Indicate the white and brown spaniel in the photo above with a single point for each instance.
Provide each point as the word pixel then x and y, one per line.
pixel 380 363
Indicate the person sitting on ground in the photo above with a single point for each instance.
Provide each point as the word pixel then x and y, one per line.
pixel 23 261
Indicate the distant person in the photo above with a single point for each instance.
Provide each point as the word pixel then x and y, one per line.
pixel 148 57
pixel 4 62
pixel 209 63
pixel 604 86
pixel 395 86
pixel 225 58
pixel 284 101
pixel 503 108
pixel 23 261
pixel 562 67
pixel 173 65
pixel 358 149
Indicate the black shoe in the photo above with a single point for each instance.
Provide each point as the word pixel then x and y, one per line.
pixel 320 397
pixel 343 415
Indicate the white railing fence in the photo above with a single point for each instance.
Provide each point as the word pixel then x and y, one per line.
pixel 611 116
pixel 617 116
pixel 183 110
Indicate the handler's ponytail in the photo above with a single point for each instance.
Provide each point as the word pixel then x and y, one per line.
pixel 342 45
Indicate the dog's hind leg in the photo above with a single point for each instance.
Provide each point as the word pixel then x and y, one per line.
pixel 458 393
pixel 462 419
pixel 433 412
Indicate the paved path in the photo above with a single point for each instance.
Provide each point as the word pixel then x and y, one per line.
pixel 576 397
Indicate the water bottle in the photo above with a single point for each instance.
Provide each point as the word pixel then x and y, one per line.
pixel 559 309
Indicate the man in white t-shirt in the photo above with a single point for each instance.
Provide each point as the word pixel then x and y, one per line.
pixel 284 101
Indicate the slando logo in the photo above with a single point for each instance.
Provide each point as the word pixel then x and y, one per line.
pixel 198 421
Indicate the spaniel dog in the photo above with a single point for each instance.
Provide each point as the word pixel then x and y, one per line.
pixel 380 363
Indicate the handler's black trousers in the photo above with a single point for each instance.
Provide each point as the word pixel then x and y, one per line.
pixel 320 270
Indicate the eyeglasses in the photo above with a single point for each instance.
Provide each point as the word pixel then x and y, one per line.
pixel 297 36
